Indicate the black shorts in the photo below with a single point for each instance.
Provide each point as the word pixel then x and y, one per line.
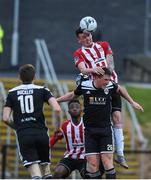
pixel 116 102
pixel 34 147
pixel 99 140
pixel 73 164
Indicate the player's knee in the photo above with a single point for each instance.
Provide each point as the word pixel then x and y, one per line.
pixel 57 176
pixel 60 174
pixel 107 160
pixel 117 119
pixel 92 165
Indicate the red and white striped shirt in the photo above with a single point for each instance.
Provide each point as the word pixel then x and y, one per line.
pixel 74 136
pixel 94 56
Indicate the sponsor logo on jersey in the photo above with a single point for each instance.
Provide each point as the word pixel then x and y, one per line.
pixel 28 119
pixel 97 100
pixel 97 60
pixel 77 142
pixel 106 91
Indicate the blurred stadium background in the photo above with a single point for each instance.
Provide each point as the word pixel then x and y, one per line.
pixel 43 33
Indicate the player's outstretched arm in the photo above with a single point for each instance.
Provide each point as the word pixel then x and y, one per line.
pixel 126 96
pixel 6 117
pixel 55 137
pixel 67 97
pixel 56 107
pixel 110 62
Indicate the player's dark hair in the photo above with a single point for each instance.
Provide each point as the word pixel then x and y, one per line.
pixel 73 101
pixel 27 73
pixel 78 31
pixel 107 71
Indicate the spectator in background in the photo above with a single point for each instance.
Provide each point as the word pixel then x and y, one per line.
pixel 1 43
pixel 26 102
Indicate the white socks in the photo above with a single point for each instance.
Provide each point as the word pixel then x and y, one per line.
pixel 119 141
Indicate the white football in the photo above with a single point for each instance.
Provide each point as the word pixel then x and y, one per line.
pixel 88 23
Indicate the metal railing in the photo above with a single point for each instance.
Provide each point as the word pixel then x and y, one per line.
pixel 2 100
pixel 136 131
pixel 44 59
pixel 147 27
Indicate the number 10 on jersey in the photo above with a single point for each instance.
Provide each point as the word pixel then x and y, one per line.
pixel 26 103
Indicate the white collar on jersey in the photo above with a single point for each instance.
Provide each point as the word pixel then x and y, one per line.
pixel 81 121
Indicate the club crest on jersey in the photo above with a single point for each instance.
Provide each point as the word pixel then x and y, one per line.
pixel 88 92
pixel 106 91
pixel 100 49
pixel 76 59
pixel 110 48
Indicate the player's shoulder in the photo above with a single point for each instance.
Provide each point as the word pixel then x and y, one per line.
pixel 111 84
pixel 103 43
pixel 34 86
pixel 88 84
pixel 77 52
pixel 80 77
pixel 65 123
pixel 15 88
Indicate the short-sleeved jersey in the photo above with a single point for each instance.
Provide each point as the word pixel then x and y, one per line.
pixel 97 103
pixel 27 102
pixel 74 136
pixel 94 56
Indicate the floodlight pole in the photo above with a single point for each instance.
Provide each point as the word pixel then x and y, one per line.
pixel 15 35
pixel 147 51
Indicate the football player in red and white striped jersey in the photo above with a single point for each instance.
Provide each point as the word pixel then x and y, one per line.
pixel 73 132
pixel 90 59
pixel 93 55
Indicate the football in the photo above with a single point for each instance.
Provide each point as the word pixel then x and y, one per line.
pixel 88 23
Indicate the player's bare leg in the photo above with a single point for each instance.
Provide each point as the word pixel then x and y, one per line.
pixel 34 171
pixel 60 172
pixel 119 138
pixel 107 160
pixel 92 167
pixel 45 170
